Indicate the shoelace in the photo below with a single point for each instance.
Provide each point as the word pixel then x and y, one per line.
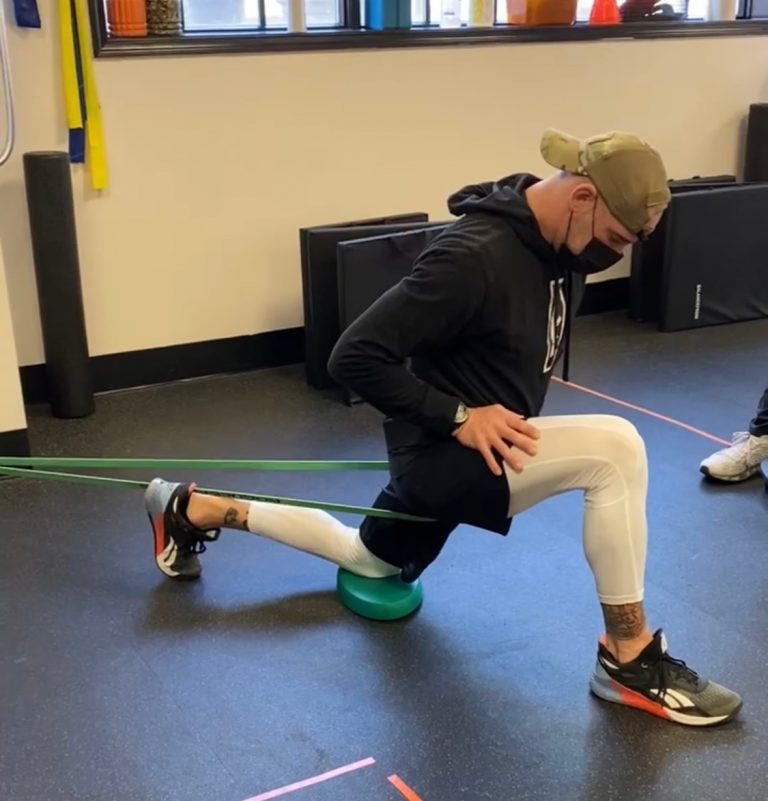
pixel 198 543
pixel 739 438
pixel 198 546
pixel 665 663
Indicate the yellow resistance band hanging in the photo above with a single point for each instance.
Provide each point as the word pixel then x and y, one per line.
pixel 69 69
pixel 74 39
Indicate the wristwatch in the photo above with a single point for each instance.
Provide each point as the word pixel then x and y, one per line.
pixel 461 414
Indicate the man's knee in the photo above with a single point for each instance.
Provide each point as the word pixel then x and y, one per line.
pixel 409 545
pixel 621 444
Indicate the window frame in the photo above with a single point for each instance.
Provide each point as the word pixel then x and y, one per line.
pixel 270 40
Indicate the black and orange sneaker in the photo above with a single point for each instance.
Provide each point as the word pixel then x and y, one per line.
pixel 177 542
pixel 662 686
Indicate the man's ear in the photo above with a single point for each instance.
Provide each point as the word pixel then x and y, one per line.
pixel 582 198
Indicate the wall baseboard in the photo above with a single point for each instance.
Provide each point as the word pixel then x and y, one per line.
pixel 160 365
pixel 237 354
pixel 14 443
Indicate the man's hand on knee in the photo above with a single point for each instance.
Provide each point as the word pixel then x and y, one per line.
pixel 494 428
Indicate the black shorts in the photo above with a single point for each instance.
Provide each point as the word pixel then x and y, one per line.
pixel 439 479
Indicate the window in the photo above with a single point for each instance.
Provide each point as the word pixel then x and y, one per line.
pixel 242 15
pixel 696 10
pixel 425 12
pixel 216 26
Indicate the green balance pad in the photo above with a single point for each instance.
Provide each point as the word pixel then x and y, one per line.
pixel 378 599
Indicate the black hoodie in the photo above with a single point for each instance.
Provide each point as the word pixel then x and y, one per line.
pixel 480 319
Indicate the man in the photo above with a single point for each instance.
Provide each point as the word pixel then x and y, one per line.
pixel 748 450
pixel 458 356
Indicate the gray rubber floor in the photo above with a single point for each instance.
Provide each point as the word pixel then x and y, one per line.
pixel 117 684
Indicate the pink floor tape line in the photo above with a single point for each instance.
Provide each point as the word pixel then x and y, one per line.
pixel 323 777
pixel 643 410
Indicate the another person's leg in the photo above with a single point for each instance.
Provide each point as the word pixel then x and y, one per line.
pixel 184 520
pixel 741 460
pixel 759 426
pixel 604 457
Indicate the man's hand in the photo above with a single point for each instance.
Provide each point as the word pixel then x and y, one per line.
pixel 494 428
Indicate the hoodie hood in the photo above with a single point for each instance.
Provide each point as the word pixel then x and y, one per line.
pixel 505 198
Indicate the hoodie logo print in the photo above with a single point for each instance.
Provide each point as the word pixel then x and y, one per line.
pixel 555 322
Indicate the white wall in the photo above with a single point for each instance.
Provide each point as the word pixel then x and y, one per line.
pixel 216 161
pixel 12 416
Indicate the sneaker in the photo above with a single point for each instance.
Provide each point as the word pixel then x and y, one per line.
pixel 738 462
pixel 177 541
pixel 663 686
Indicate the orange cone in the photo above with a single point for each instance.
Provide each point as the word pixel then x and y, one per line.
pixel 604 12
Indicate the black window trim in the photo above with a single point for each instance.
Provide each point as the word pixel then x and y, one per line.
pixel 264 41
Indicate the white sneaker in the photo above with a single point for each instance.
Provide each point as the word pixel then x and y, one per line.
pixel 738 462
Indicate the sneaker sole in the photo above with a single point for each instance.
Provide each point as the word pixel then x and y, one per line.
pixel 730 479
pixel 609 690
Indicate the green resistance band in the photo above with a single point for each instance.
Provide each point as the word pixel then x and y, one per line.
pixel 21 467
pixel 188 464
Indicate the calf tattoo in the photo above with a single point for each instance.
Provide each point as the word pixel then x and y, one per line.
pixel 624 621
pixel 232 519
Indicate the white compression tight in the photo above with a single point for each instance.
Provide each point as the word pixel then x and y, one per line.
pixel 601 455
pixel 604 457
pixel 316 532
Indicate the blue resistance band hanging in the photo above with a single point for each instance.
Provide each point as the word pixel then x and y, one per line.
pixel 77 135
pixel 27 15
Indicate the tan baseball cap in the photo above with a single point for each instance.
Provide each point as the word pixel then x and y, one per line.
pixel 627 172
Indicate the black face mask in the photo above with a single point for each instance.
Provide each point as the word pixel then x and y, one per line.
pixel 595 257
